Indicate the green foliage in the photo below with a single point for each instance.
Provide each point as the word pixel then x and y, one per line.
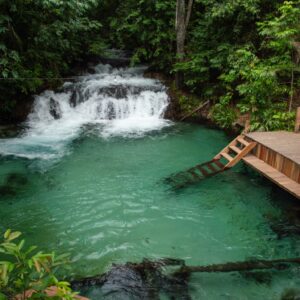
pixel 223 114
pixel 147 28
pixel 239 50
pixel 242 51
pixel 280 31
pixel 24 269
pixel 40 40
pixel 275 118
pixel 255 81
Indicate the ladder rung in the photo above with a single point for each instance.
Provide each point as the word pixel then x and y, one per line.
pixel 235 149
pixel 203 171
pixel 242 141
pixel 219 164
pixel 194 174
pixel 212 168
pixel 227 156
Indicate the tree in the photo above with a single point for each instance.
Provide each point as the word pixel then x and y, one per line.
pixel 183 14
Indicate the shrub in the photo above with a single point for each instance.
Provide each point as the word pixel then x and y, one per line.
pixel 23 269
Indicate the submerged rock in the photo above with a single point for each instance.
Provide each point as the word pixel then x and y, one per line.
pixel 12 184
pixel 291 294
pixel 135 281
pixel 289 223
pixel 258 277
pixel 16 179
pixel 6 191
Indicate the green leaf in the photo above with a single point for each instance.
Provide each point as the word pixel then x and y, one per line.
pixel 14 235
pixel 7 233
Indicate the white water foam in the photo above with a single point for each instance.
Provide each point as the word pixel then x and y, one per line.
pixel 121 100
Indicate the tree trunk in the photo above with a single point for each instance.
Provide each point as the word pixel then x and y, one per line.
pixel 183 14
pixel 278 264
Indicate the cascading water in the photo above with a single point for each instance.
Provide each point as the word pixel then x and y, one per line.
pixel 121 102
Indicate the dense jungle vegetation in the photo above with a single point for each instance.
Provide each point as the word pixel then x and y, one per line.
pixel 242 55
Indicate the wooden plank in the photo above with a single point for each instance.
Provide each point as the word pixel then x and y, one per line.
pixel 194 174
pixel 285 143
pixel 244 152
pixel 235 149
pixel 212 168
pixel 203 171
pixel 242 141
pixel 219 164
pixel 227 156
pixel 226 149
pixel 274 175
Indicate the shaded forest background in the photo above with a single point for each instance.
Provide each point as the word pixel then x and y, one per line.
pixel 242 55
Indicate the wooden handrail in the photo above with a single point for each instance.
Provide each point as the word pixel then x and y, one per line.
pixel 297 123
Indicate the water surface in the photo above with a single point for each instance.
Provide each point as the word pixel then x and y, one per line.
pixel 90 183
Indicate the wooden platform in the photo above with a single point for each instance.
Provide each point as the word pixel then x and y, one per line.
pixel 285 143
pixel 277 156
pixel 277 177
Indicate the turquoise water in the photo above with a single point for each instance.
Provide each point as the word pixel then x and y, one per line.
pixel 105 202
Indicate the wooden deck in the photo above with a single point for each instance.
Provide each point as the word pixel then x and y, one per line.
pixel 277 157
pixel 282 142
pixel 275 176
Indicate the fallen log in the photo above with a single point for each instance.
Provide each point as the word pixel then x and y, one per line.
pixel 278 264
pixel 195 110
pixel 148 279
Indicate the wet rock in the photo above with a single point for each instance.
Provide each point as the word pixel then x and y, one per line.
pixel 55 110
pixel 77 97
pixel 111 111
pixel 10 131
pixel 135 281
pixel 73 99
pixel 117 92
pixel 122 91
pixel 116 62
pixel 123 282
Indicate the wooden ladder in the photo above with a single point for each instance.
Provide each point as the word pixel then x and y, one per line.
pixel 223 161
pixel 235 151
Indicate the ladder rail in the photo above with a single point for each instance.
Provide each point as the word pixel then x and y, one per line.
pixel 242 154
pixel 239 148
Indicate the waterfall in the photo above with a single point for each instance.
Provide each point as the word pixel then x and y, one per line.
pixel 119 102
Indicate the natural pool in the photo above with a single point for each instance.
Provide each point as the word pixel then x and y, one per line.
pixel 104 201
